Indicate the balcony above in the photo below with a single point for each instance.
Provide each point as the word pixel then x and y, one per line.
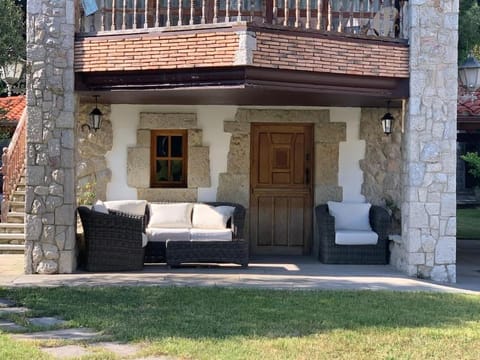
pixel 237 61
pixel 378 18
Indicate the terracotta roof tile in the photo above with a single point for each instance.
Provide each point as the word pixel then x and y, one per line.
pixel 14 107
pixel 468 104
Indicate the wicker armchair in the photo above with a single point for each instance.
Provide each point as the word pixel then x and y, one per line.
pixel 113 241
pixel 331 253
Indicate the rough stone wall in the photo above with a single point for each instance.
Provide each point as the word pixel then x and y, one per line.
pixel 234 185
pixel 382 163
pixel 428 245
pixel 92 146
pixel 50 179
pixel 138 157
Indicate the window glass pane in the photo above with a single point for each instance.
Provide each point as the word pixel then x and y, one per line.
pixel 177 170
pixel 177 146
pixel 162 170
pixel 162 146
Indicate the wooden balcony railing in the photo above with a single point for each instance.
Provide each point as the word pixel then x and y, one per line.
pixel 13 164
pixel 381 18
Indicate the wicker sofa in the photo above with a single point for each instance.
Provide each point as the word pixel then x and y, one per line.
pixel 118 239
pixel 182 248
pixel 330 252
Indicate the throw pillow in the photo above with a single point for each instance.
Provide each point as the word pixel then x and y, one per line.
pixel 133 207
pixel 170 215
pixel 350 216
pixel 100 207
pixel 210 217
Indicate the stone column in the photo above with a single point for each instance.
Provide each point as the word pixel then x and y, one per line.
pixel 428 245
pixel 50 191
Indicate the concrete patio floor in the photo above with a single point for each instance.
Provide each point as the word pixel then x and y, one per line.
pixel 263 272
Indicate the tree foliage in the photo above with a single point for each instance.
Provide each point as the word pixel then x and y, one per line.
pixel 12 32
pixel 473 159
pixel 468 29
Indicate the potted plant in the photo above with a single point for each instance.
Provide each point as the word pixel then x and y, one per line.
pixel 473 159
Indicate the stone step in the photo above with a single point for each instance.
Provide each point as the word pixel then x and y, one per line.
pixel 12 228
pixel 16 217
pixel 20 187
pixel 12 249
pixel 18 196
pixel 17 206
pixel 12 236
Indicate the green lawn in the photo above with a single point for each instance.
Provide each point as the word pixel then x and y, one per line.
pixel 468 223
pixel 216 323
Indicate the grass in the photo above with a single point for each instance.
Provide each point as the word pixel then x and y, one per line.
pixel 468 223
pixel 217 323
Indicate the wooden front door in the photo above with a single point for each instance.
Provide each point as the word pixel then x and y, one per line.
pixel 281 188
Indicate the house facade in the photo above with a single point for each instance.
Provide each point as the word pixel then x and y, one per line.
pixel 274 105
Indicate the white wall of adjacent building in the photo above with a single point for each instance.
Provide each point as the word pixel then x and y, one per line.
pixel 125 120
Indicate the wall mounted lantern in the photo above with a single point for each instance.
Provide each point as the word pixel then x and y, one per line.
pixel 11 73
pixel 95 118
pixel 469 74
pixel 387 121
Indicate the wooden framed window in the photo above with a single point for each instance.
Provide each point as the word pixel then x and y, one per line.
pixel 168 163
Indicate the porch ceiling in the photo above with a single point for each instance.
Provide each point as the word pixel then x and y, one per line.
pixel 240 86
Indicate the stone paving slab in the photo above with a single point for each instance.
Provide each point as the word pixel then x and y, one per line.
pixel 66 352
pixel 46 321
pixel 10 326
pixel 74 334
pixel 6 303
pixel 13 310
pixel 119 348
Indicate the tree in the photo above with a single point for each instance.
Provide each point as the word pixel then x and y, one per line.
pixel 468 29
pixel 12 33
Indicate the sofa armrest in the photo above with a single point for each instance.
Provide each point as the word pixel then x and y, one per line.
pixel 380 221
pixel 325 223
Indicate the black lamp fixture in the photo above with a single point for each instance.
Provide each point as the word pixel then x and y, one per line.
pixel 387 121
pixel 95 117
pixel 469 74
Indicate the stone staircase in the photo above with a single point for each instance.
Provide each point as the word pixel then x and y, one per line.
pixel 12 232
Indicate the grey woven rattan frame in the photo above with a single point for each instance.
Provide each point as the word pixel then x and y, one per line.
pixel 180 252
pixel 331 253
pixel 113 242
pixel 155 252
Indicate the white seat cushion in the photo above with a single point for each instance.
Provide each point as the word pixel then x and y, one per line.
pixel 350 216
pixel 164 234
pixel 355 237
pixel 133 207
pixel 170 215
pixel 211 234
pixel 210 217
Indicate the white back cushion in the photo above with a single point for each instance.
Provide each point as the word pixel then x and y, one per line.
pixel 350 216
pixel 133 207
pixel 210 217
pixel 174 215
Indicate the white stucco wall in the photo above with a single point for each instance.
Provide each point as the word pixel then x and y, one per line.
pixel 125 119
pixel 210 119
pixel 350 176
